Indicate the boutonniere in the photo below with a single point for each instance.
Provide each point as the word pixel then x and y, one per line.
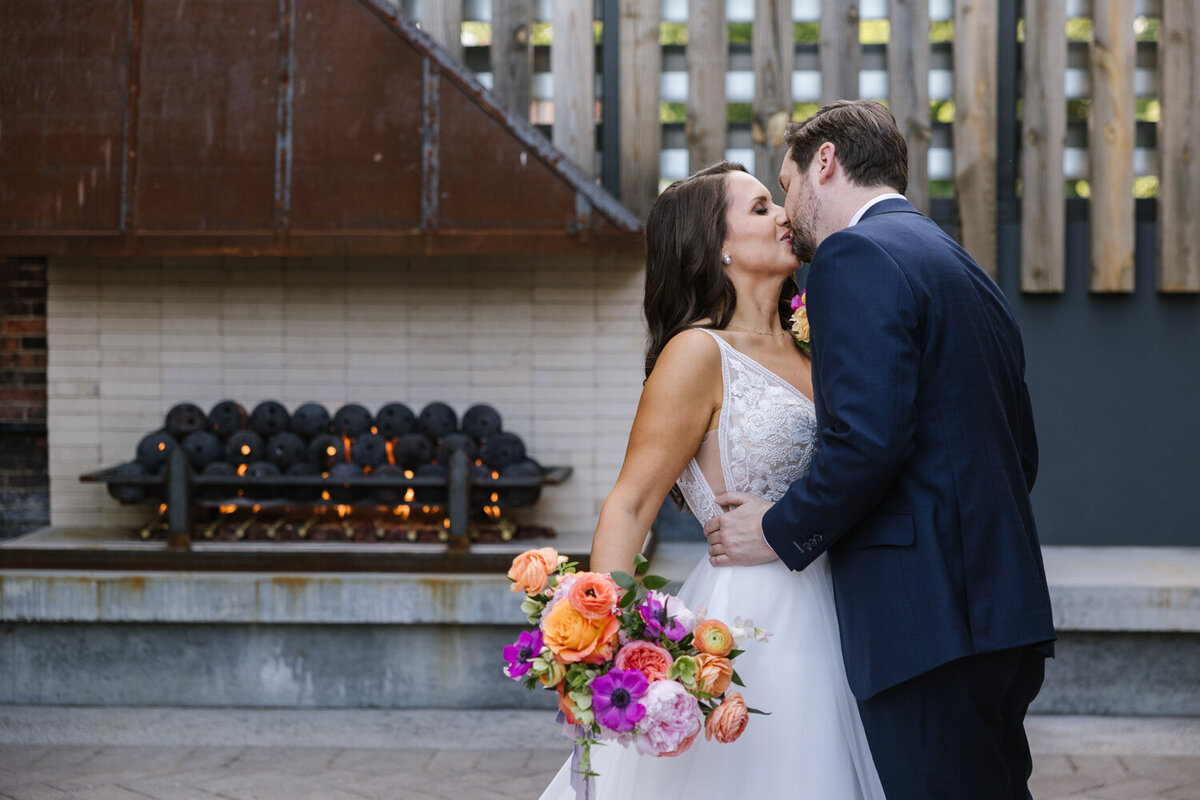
pixel 800 322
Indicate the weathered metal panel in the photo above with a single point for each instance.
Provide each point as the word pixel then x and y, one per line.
pixel 207 115
pixel 270 127
pixel 63 79
pixel 357 124
pixel 494 181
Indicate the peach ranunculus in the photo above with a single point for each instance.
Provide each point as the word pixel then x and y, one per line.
pixel 566 706
pixel 573 637
pixel 714 637
pixel 593 594
pixel 530 570
pixel 728 720
pixel 716 673
pixel 652 660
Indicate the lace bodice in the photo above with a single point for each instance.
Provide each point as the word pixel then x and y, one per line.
pixel 765 436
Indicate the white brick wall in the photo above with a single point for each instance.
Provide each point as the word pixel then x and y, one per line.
pixel 553 343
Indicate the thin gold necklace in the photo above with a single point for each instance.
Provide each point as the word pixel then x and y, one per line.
pixel 760 333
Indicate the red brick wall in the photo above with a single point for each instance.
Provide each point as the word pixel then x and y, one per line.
pixel 24 476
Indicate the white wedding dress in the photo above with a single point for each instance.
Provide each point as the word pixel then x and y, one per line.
pixel 812 745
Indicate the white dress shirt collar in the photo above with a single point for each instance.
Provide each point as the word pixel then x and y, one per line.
pixel 877 199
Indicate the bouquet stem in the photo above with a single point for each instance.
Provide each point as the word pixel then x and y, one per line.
pixel 583 780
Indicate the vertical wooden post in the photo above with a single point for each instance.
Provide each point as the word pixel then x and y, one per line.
pixel 1110 141
pixel 641 126
pixel 442 20
pixel 841 51
pixel 976 28
pixel 707 63
pixel 1043 137
pixel 908 89
pixel 1178 159
pixel 773 49
pixel 512 54
pixel 573 62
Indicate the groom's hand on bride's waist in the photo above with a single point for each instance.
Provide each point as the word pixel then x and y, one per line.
pixel 735 537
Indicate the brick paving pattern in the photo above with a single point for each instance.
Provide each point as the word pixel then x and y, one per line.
pixel 43 772
pixel 454 756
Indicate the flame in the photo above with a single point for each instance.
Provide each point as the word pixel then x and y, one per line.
pixel 408 473
pixel 390 446
pixel 409 495
pixel 331 451
pixel 245 449
pixel 446 523
pixel 374 429
pixel 162 508
pixel 229 509
pixel 242 469
pixel 495 475
pixel 255 509
pixel 343 510
pixel 346 441
pixel 324 494
pixel 425 509
pixel 162 446
pixel 402 512
pixel 495 497
pixel 493 512
pixel 479 462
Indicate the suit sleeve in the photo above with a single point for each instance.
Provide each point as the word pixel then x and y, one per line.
pixel 866 361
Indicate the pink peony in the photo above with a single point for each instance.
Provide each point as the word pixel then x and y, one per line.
pixel 673 719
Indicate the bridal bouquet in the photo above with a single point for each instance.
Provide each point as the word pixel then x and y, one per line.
pixel 630 664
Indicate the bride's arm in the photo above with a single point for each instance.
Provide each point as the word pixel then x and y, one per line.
pixel 679 400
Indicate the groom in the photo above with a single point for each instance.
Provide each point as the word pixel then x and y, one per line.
pixel 920 489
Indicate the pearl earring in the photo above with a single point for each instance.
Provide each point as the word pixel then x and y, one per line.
pixel 725 259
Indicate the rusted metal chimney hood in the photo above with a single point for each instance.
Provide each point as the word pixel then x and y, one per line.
pixel 271 127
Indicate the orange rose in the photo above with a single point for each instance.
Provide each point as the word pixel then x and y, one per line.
pixel 530 570
pixel 716 673
pixel 573 637
pixel 728 720
pixel 652 660
pixel 713 637
pixel 593 594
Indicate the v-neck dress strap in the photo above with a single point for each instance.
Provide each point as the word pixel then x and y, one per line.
pixel 764 438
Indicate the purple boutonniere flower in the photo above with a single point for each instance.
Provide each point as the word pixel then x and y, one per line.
pixel 520 654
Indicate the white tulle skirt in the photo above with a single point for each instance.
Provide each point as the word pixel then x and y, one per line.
pixel 812 745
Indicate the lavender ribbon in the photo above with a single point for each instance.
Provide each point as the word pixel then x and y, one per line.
pixel 584 785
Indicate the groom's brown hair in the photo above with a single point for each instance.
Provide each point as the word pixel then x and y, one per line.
pixel 869 144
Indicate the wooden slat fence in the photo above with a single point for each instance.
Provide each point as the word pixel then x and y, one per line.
pixel 1095 91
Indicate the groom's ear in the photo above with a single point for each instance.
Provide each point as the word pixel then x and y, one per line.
pixel 826 161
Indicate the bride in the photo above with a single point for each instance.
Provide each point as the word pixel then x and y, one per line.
pixel 726 407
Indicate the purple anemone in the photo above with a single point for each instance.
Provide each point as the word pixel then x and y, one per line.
pixel 615 698
pixel 520 654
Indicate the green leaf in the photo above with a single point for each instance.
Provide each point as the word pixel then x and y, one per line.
pixel 627 600
pixel 640 564
pixel 737 679
pixel 624 580
pixel 756 711
pixel 655 581
pixel 734 654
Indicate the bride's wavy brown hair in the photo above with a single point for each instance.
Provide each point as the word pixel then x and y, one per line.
pixel 685 280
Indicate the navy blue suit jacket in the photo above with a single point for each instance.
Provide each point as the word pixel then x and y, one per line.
pixel 920 488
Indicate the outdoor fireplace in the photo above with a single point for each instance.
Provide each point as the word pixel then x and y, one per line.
pixel 270 475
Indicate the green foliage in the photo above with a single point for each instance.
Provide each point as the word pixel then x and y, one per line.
pixel 941 31
pixel 740 32
pixel 802 111
pixel 807 32
pixel 672 112
pixel 874 31
pixel 942 110
pixel 1145 186
pixel 640 564
pixel 655 581
pixel 1146 28
pixel 672 33
pixel 1079 29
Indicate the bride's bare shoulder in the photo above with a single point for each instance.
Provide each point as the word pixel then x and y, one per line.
pixel 692 353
